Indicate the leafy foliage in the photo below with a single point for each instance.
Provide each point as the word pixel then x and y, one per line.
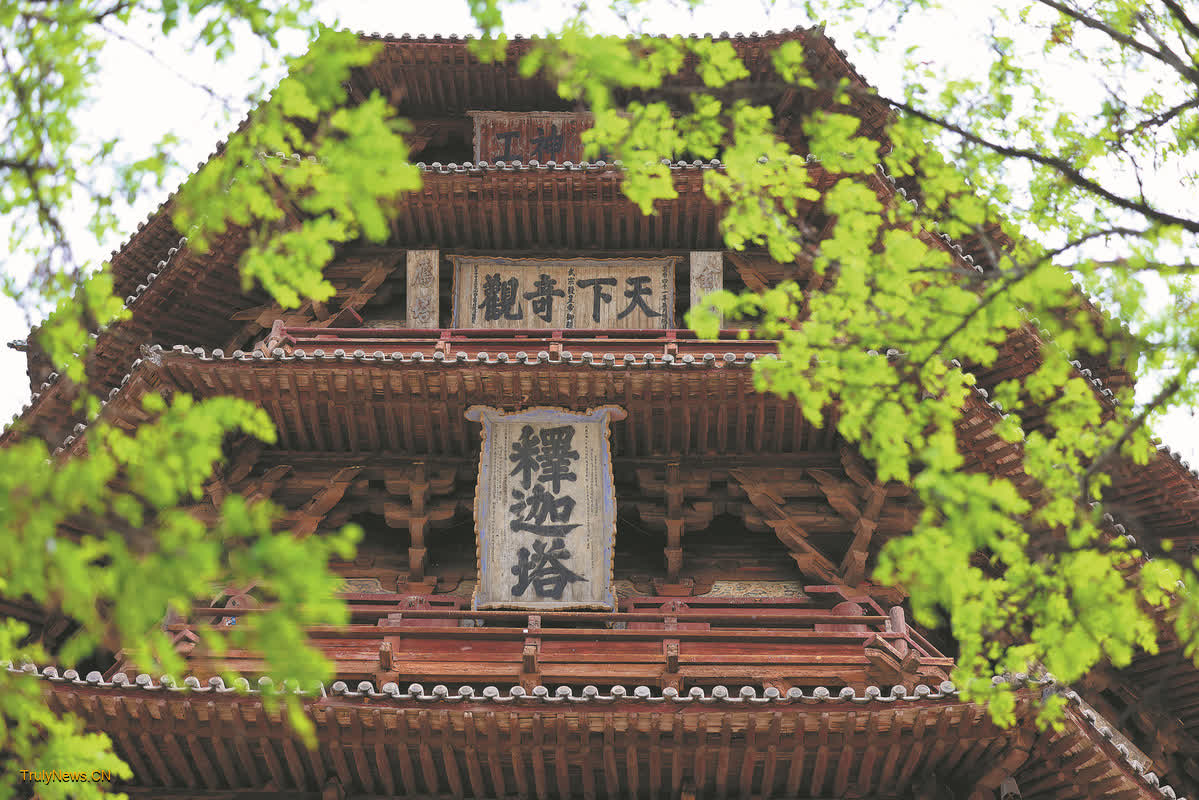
pixel 1025 573
pixel 299 209
pixel 110 538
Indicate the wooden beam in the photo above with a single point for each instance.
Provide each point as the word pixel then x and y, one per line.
pixel 812 562
pixel 853 566
pixel 855 466
pixel 305 520
pixel 752 278
pixel 264 486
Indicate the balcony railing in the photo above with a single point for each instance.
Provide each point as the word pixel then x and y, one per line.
pixel 471 341
pixel 651 640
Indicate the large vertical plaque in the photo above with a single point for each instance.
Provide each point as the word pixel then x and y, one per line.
pixel 545 509
pixel 563 294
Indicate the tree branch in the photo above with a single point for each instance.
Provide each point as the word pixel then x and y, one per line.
pixel 45 211
pixel 1168 56
pixel 1128 41
pixel 1187 23
pixel 1057 163
pixel 1017 274
pixel 222 99
pixel 1162 397
pixel 1161 118
pixel 17 165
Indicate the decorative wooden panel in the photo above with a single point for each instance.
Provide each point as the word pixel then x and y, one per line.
pixel 623 293
pixel 529 136
pixel 545 509
pixel 707 274
pixel 423 269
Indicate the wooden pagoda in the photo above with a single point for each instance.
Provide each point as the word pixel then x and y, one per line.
pixel 694 616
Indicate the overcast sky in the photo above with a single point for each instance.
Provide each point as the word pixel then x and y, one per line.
pixel 153 87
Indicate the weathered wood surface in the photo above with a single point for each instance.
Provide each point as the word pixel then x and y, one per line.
pixel 526 136
pixel 707 274
pixel 181 746
pixel 553 547
pixel 563 294
pixel 423 297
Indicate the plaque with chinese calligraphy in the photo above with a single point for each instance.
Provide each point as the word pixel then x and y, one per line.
pixel 526 136
pixel 615 293
pixel 545 508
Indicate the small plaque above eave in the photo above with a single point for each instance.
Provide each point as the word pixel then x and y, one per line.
pixel 529 135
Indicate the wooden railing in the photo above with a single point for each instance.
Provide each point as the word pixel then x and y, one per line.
pixel 652 641
pixel 471 341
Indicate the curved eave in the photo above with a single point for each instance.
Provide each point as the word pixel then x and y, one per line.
pixel 352 400
pixel 416 403
pixel 440 74
pixel 135 257
pixel 384 741
pixel 549 207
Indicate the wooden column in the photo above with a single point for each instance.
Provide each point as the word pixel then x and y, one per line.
pixel 427 506
pixel 418 489
pixel 415 516
pixel 707 274
pixel 674 523
pixel 423 295
pixel 530 668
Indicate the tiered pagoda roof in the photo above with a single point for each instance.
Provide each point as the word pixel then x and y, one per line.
pixel 211 740
pixel 370 414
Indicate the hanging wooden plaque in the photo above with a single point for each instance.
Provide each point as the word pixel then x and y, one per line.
pixel 525 136
pixel 609 293
pixel 545 509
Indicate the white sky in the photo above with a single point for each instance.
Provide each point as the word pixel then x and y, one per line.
pixel 143 96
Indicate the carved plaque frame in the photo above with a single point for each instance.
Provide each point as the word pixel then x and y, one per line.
pixel 466 289
pixel 486 547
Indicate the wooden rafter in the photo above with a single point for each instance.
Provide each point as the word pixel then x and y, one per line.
pixel 353 301
pixel 1158 719
pixel 180 748
pixel 812 563
pixel 863 519
pixel 748 271
pixel 305 520
pixel 314 313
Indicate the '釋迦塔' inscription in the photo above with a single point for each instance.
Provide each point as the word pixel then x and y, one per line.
pixel 545 456
pixel 545 509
